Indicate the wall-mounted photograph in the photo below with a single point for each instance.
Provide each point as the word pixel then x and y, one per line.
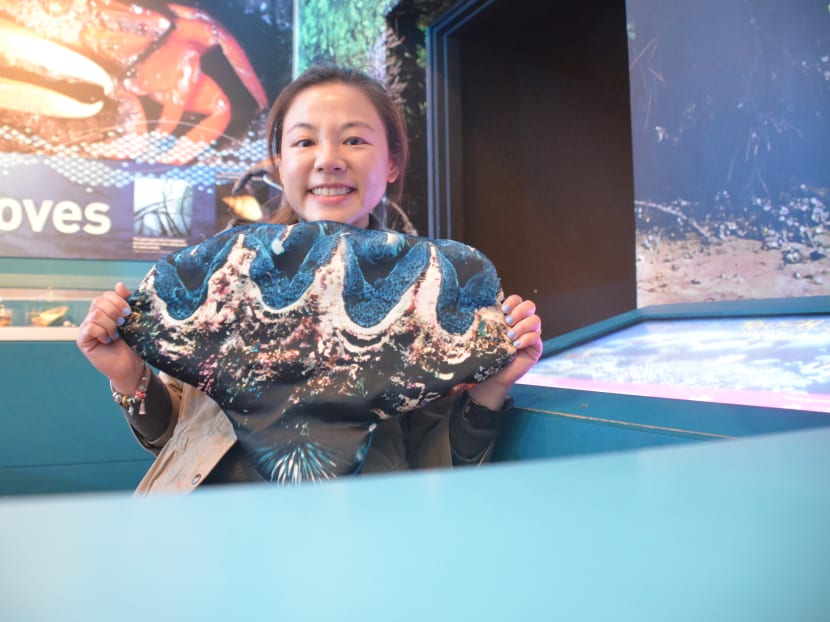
pixel 95 96
pixel 731 137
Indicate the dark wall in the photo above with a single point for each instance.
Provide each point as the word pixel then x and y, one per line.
pixel 546 158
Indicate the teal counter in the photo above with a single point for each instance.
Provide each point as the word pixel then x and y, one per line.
pixel 726 531
pixel 59 429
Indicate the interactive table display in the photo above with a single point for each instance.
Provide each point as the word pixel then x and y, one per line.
pixel 781 361
pixel 672 374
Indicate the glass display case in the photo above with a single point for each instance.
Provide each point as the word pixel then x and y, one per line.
pixel 46 300
pixel 43 309
pixel 42 314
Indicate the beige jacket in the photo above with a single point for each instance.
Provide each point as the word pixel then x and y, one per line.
pixel 199 434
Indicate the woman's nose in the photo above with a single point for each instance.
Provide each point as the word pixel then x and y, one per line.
pixel 329 158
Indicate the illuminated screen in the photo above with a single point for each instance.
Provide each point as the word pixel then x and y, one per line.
pixel 781 362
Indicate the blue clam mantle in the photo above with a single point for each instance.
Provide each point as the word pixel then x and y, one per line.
pixel 308 334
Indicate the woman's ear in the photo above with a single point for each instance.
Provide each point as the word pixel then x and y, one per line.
pixel 393 172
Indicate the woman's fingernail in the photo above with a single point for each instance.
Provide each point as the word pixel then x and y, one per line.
pixel 108 340
pixel 516 343
pixel 506 308
pixel 127 311
pixel 117 335
pixel 121 321
pixel 509 319
pixel 511 333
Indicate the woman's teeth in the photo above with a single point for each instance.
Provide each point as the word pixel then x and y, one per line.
pixel 331 192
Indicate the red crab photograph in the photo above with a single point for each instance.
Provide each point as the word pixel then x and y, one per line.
pixel 150 81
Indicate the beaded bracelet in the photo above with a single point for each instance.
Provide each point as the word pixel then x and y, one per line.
pixel 131 401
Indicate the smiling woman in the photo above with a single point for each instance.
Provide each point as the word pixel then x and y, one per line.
pixel 369 130
pixel 333 157
pixel 325 344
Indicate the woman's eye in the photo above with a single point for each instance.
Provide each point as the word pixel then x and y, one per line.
pixel 355 140
pixel 303 142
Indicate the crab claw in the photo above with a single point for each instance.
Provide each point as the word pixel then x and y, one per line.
pixel 39 76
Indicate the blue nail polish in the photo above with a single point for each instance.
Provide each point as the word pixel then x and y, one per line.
pixel 117 335
pixel 121 321
pixel 127 311
pixel 108 340
pixel 506 308
pixel 516 343
pixel 509 319
pixel 511 333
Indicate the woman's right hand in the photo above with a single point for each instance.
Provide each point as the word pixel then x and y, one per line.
pixel 99 341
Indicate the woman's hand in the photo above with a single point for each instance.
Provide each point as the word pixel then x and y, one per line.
pixel 526 333
pixel 99 341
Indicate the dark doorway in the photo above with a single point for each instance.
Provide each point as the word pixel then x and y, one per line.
pixel 530 150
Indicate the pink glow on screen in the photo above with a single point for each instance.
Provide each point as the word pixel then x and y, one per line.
pixel 781 362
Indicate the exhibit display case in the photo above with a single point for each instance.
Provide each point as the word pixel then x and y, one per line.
pixel 59 430
pixel 673 374
pixel 37 308
pixel 46 300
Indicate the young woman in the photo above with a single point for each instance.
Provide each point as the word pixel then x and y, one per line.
pixel 339 147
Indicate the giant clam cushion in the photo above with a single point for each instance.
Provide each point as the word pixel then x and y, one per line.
pixel 307 335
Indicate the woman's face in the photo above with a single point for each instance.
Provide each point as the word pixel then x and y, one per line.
pixel 334 160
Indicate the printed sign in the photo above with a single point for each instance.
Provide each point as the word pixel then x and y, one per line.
pixel 122 123
pixel 57 208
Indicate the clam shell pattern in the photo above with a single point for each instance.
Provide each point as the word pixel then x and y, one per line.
pixel 307 335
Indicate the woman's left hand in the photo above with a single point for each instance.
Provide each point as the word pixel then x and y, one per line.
pixel 526 333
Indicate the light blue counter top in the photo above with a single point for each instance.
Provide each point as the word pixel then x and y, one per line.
pixel 726 530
